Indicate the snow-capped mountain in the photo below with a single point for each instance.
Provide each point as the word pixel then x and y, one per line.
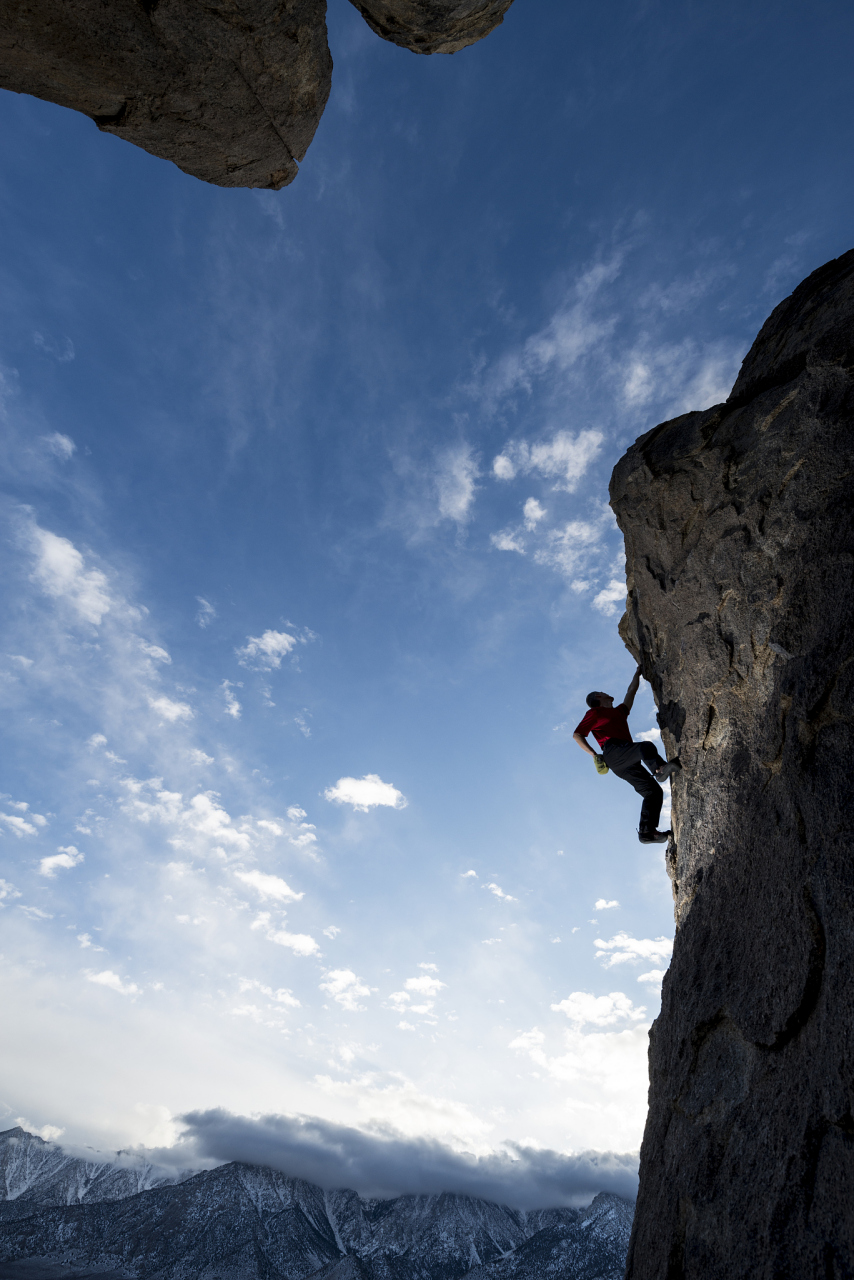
pixel 241 1222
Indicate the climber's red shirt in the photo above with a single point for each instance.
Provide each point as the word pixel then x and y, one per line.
pixel 606 723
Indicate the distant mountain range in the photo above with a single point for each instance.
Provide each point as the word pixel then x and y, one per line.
pixel 62 1218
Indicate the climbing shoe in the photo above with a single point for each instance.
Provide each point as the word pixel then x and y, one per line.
pixel 651 836
pixel 662 774
pixel 601 767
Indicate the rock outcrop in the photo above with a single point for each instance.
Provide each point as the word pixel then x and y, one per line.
pixel 740 548
pixel 232 93
pixel 433 26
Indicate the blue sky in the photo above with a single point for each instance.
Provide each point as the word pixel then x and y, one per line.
pixel 307 488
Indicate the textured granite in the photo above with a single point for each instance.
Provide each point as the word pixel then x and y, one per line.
pixel 432 26
pixel 740 550
pixel 232 91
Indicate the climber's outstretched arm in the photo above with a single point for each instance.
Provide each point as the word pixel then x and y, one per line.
pixel 632 690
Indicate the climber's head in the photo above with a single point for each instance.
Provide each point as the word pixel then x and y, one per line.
pixel 600 700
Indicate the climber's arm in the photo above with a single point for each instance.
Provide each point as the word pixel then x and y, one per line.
pixel 583 743
pixel 632 690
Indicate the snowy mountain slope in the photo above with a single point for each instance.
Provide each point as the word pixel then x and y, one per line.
pixel 241 1222
pixel 38 1172
pixel 594 1248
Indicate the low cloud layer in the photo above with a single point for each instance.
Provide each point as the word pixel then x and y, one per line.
pixel 386 1165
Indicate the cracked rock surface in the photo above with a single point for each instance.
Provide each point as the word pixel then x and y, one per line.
pixel 433 26
pixel 740 550
pixel 231 91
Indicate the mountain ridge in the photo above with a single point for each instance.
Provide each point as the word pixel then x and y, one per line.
pixel 241 1221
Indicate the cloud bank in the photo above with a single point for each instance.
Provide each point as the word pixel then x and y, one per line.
pixel 384 1165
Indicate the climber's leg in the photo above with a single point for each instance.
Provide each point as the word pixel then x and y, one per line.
pixel 624 759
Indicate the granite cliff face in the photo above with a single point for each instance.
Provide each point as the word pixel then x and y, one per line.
pixel 740 548
pixel 232 93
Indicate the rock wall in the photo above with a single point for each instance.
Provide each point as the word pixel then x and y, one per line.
pixel 232 93
pixel 433 26
pixel 740 549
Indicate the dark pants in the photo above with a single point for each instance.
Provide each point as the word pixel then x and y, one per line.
pixel 624 759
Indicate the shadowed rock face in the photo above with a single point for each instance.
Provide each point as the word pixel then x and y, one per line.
pixel 230 90
pixel 740 549
pixel 432 26
pixel 232 93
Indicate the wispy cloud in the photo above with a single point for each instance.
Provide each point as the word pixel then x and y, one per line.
pixel 456 474
pixel 265 652
pixel 205 613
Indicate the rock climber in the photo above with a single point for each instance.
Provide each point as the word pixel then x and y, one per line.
pixel 610 727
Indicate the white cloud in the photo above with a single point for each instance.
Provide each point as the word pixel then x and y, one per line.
pixel 654 978
pixel 599 1011
pixel 59 445
pixel 114 982
pixel 622 949
pixel 649 735
pixel 60 572
pixel 346 989
pixel 232 706
pixel 507 540
pixel 533 513
pixel 19 826
pixel 602 905
pixel 8 892
pixel 610 597
pixel 431 968
pixel 564 458
pixel 22 660
pixel 365 793
pixel 206 612
pixel 467 874
pixel 272 827
pixel 296 814
pixel 49 1132
pixel 269 886
pixel 265 652
pixel 169 710
pixel 300 943
pixel 67 857
pixel 499 892
pixel 455 482
pixel 85 940
pixel 199 757
pixel 202 818
pixel 332 931
pixel 425 985
pixel 34 913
